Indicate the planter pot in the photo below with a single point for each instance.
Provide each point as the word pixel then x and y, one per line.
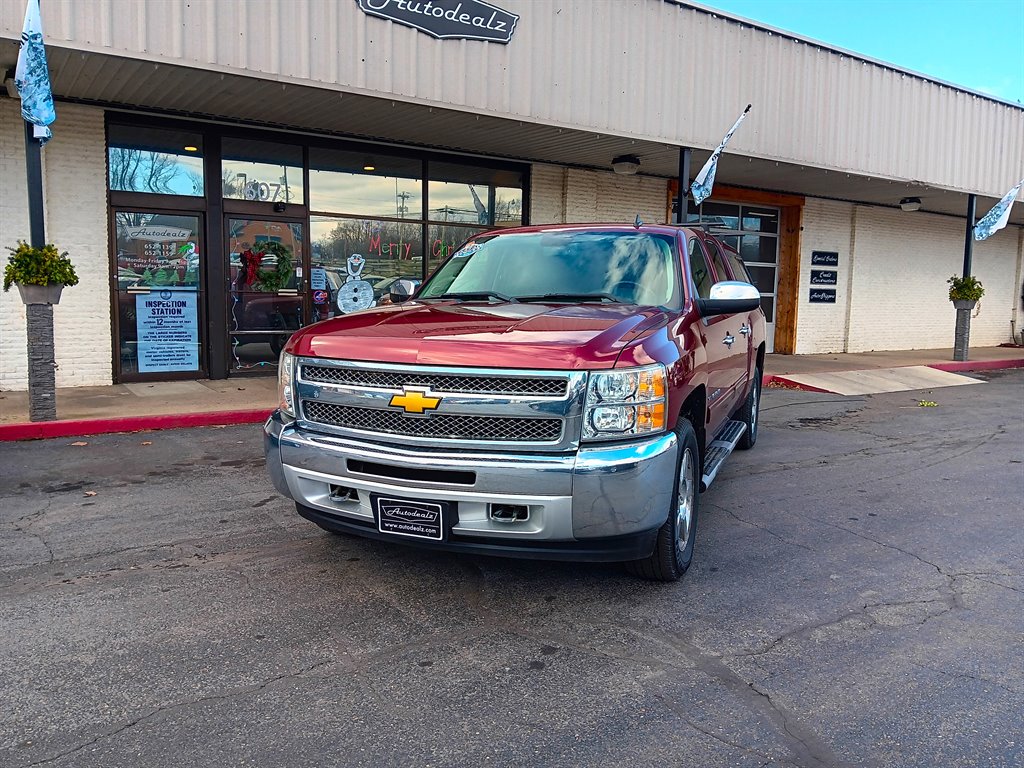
pixel 964 303
pixel 40 294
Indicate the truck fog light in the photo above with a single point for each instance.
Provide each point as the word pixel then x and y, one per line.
pixel 613 418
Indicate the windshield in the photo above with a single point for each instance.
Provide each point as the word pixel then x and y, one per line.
pixel 629 267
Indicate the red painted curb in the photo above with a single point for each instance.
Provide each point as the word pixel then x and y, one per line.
pixel 977 365
pixel 78 427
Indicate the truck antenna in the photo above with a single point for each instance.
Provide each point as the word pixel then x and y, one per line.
pixel 638 223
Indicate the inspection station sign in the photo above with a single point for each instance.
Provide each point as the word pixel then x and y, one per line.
pixel 444 19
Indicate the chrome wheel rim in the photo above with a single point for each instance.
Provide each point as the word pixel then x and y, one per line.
pixel 684 501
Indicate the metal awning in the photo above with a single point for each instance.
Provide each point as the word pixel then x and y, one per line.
pixel 129 84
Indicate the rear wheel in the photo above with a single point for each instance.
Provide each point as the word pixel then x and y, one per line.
pixel 673 550
pixel 749 413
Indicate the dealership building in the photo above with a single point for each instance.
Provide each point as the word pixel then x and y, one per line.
pixel 190 135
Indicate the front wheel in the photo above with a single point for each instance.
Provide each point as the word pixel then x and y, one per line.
pixel 673 550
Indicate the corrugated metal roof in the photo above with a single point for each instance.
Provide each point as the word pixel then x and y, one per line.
pixel 580 83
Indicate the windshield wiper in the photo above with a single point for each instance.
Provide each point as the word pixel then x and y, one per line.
pixel 476 295
pixel 603 297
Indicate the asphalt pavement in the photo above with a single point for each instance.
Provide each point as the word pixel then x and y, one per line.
pixel 856 600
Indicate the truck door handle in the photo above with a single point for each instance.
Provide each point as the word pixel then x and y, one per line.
pixel 728 340
pixel 744 329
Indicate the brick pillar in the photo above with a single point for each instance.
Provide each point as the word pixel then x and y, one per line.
pixel 42 393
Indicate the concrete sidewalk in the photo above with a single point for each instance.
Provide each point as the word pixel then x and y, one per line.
pixel 131 407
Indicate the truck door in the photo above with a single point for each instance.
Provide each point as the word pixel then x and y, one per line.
pixel 728 337
pixel 714 335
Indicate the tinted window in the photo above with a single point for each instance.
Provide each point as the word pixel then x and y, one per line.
pixel 702 277
pixel 737 267
pixel 721 272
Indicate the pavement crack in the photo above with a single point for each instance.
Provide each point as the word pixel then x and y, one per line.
pixel 807 748
pixel 764 528
pixel 965 676
pixel 155 711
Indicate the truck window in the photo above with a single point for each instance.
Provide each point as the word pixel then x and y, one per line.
pixel 702 277
pixel 717 261
pixel 630 267
pixel 739 269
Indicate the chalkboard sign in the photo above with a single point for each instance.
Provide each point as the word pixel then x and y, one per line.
pixel 822 296
pixel 825 258
pixel 823 277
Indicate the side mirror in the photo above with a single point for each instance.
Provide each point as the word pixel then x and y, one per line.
pixel 402 290
pixel 729 297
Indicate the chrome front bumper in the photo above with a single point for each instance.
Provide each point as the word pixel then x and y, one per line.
pixel 594 493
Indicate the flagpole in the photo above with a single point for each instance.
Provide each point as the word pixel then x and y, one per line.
pixel 34 176
pixel 972 201
pixel 684 184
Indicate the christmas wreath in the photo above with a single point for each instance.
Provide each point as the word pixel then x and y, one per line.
pixel 269 281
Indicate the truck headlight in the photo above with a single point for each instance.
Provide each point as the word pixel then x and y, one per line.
pixel 624 403
pixel 285 384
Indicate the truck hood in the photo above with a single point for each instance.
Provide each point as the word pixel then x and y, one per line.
pixel 527 335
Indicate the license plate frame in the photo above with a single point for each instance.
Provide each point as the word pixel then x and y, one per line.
pixel 411 518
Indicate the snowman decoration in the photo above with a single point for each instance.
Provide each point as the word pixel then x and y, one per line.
pixel 356 293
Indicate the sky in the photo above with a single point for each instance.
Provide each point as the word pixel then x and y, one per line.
pixel 977 44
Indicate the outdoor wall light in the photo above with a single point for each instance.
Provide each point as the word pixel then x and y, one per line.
pixel 910 203
pixel 626 165
pixel 368 165
pixel 191 149
pixel 12 89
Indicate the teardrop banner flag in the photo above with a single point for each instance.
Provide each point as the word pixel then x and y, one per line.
pixel 996 219
pixel 701 187
pixel 32 76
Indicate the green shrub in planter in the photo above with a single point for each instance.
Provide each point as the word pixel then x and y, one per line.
pixel 38 266
pixel 965 288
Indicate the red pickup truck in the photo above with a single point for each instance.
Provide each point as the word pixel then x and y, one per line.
pixel 562 392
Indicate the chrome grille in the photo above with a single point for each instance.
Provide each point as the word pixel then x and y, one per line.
pixel 442 426
pixel 456 384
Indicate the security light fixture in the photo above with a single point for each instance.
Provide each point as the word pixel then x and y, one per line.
pixel 626 165
pixel 910 203
pixel 190 148
pixel 368 165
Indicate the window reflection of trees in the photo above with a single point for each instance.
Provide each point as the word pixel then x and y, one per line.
pixel 139 170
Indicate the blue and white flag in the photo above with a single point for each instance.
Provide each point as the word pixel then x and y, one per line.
pixel 32 76
pixel 701 187
pixel 996 219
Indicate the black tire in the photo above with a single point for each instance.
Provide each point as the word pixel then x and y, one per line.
pixel 673 553
pixel 749 414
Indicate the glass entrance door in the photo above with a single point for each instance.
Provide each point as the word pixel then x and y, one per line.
pixel 266 303
pixel 159 302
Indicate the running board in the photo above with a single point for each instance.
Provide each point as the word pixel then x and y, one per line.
pixel 720 449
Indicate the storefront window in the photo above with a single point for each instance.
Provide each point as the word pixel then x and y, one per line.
pixel 154 160
pixel 384 251
pixel 262 171
pixel 470 195
pixel 365 185
pixel 158 266
pixel 444 239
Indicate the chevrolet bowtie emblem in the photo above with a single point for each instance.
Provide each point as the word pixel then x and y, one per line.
pixel 415 400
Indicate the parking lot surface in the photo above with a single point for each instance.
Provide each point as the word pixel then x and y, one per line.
pixel 856 600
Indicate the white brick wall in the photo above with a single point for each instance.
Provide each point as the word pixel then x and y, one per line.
pixel 74 177
pixel 560 195
pixel 892 291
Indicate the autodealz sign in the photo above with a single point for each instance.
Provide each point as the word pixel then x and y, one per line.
pixel 443 19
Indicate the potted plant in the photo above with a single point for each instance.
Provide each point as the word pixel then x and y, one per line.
pixel 39 273
pixel 964 292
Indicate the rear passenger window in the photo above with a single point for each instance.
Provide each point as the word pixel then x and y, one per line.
pixel 739 269
pixel 702 277
pixel 717 260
